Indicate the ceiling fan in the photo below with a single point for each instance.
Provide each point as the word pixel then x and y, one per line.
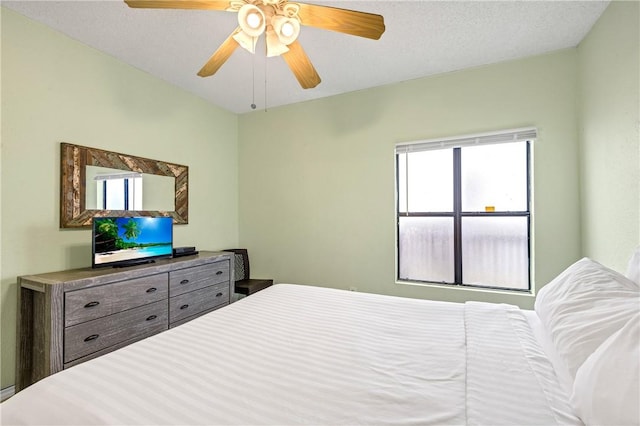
pixel 280 21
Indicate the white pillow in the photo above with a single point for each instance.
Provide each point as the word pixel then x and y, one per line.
pixel 633 268
pixel 583 306
pixel 607 386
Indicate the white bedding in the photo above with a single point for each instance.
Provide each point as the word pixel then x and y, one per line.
pixel 545 341
pixel 295 354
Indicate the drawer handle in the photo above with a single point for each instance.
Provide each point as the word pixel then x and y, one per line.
pixel 219 294
pixel 92 337
pixel 219 273
pixel 184 282
pixel 91 304
pixel 151 290
pixel 184 306
pixel 151 317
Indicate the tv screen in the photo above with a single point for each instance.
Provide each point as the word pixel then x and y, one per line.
pixel 125 241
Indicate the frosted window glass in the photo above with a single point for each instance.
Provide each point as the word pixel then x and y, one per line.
pixel 495 252
pixel 494 175
pixel 430 176
pixel 426 249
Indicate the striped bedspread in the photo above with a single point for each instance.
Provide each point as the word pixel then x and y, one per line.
pixel 295 354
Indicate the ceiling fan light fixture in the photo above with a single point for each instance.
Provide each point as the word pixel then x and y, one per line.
pixel 246 41
pixel 252 20
pixel 286 28
pixel 274 46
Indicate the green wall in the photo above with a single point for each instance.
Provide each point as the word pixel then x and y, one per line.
pixel 54 90
pixel 317 179
pixel 609 70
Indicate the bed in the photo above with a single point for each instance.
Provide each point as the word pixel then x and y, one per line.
pixel 295 354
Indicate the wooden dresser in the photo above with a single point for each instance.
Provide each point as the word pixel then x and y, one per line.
pixel 68 317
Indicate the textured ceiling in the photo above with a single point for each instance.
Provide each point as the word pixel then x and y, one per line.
pixel 422 38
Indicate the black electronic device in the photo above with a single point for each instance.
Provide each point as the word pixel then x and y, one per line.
pixel 184 251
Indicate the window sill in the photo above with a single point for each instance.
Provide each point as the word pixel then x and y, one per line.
pixel 527 294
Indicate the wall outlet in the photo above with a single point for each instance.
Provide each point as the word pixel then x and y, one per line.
pixel 353 288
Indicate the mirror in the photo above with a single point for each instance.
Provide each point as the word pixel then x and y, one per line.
pixel 113 189
pixel 153 188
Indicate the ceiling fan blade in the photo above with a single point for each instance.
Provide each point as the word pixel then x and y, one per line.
pixel 301 66
pixel 179 4
pixel 346 21
pixel 220 56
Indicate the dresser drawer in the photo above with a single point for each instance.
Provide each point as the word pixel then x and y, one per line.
pixel 185 280
pixel 95 302
pixel 92 336
pixel 192 303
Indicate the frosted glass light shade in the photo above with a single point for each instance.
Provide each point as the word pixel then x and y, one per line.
pixel 252 20
pixel 286 28
pixel 246 41
pixel 274 46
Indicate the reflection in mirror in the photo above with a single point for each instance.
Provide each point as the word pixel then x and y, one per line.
pixel 158 191
pixel 113 189
pixel 92 184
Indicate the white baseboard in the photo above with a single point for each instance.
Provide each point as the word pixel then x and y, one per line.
pixel 7 392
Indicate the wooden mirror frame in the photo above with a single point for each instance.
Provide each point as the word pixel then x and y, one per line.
pixel 75 158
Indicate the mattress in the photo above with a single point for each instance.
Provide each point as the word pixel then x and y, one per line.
pixel 294 354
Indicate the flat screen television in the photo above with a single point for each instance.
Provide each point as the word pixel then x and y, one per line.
pixel 126 241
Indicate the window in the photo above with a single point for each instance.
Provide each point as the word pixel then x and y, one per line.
pixel 122 191
pixel 463 210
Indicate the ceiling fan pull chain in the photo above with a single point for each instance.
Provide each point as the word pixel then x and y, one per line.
pixel 265 84
pixel 253 82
